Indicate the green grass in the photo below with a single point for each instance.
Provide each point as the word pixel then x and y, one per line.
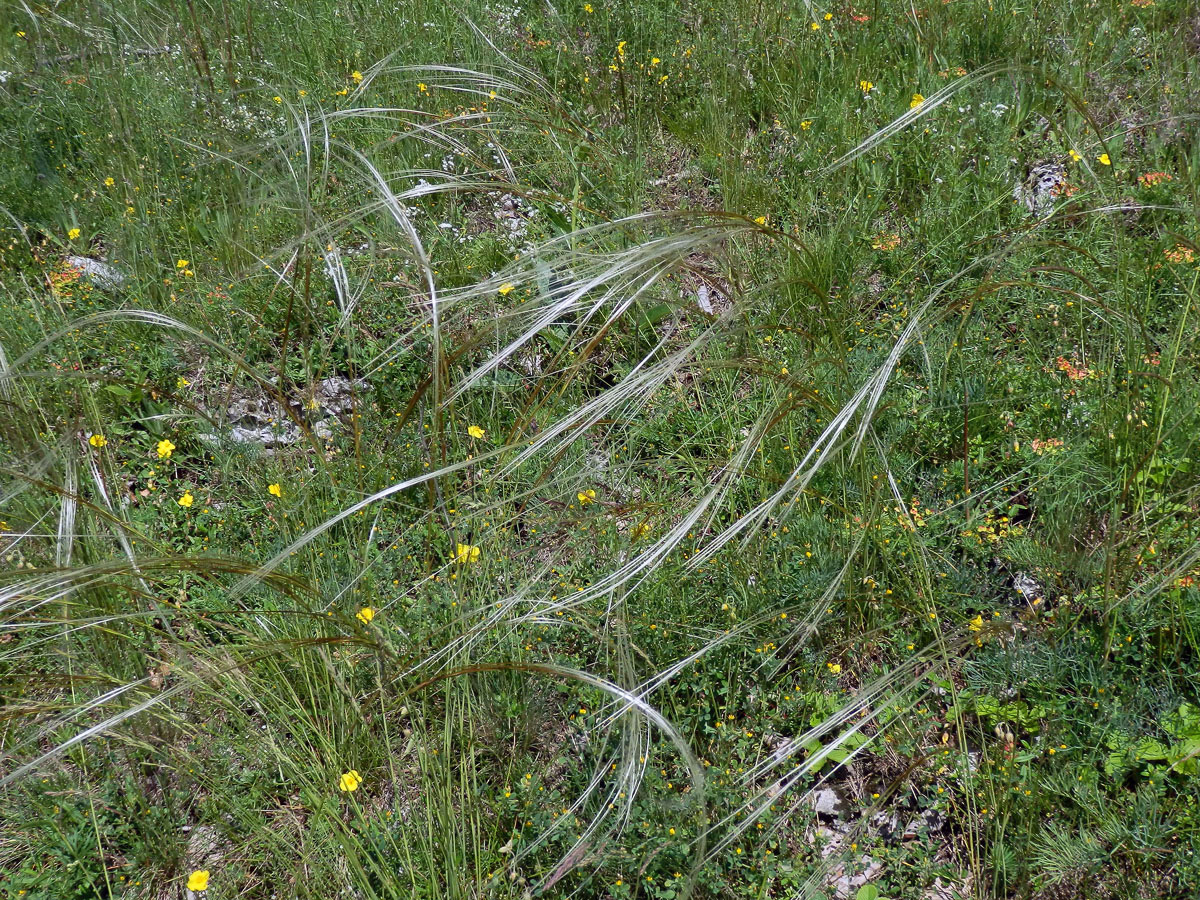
pixel 728 555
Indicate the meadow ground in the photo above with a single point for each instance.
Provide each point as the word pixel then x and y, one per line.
pixel 624 449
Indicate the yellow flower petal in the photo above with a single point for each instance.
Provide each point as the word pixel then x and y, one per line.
pixel 275 490
pixel 98 440
pixel 505 289
pixel 350 780
pixel 476 432
pixel 466 553
pixel 365 615
pixel 165 448
pixel 198 880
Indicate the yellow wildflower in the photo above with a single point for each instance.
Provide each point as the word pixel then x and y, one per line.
pixel 586 497
pixel 815 26
pixel 350 780
pixel 365 615
pixel 182 264
pixel 640 530
pixel 976 624
pixel 73 233
pixel 198 880
pixel 422 87
pixel 916 102
pixel 108 182
pixel 476 432
pixel 587 8
pixel 165 448
pixel 834 668
pixel 1075 155
pixel 1104 160
pixel 761 220
pixel 505 289
pixel 466 553
pixel 865 86
pixel 275 490
pixel 98 440
pixel 186 500
pixel 356 76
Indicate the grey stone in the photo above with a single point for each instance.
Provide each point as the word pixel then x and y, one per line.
pixel 103 275
pixel 1027 586
pixel 846 885
pixel 261 419
pixel 1041 188
pixel 827 802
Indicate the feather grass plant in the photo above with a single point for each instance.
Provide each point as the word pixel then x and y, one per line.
pixel 559 483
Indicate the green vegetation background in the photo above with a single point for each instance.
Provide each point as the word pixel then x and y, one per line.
pixel 806 456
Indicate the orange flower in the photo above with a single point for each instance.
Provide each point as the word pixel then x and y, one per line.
pixel 1150 179
pixel 1074 372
